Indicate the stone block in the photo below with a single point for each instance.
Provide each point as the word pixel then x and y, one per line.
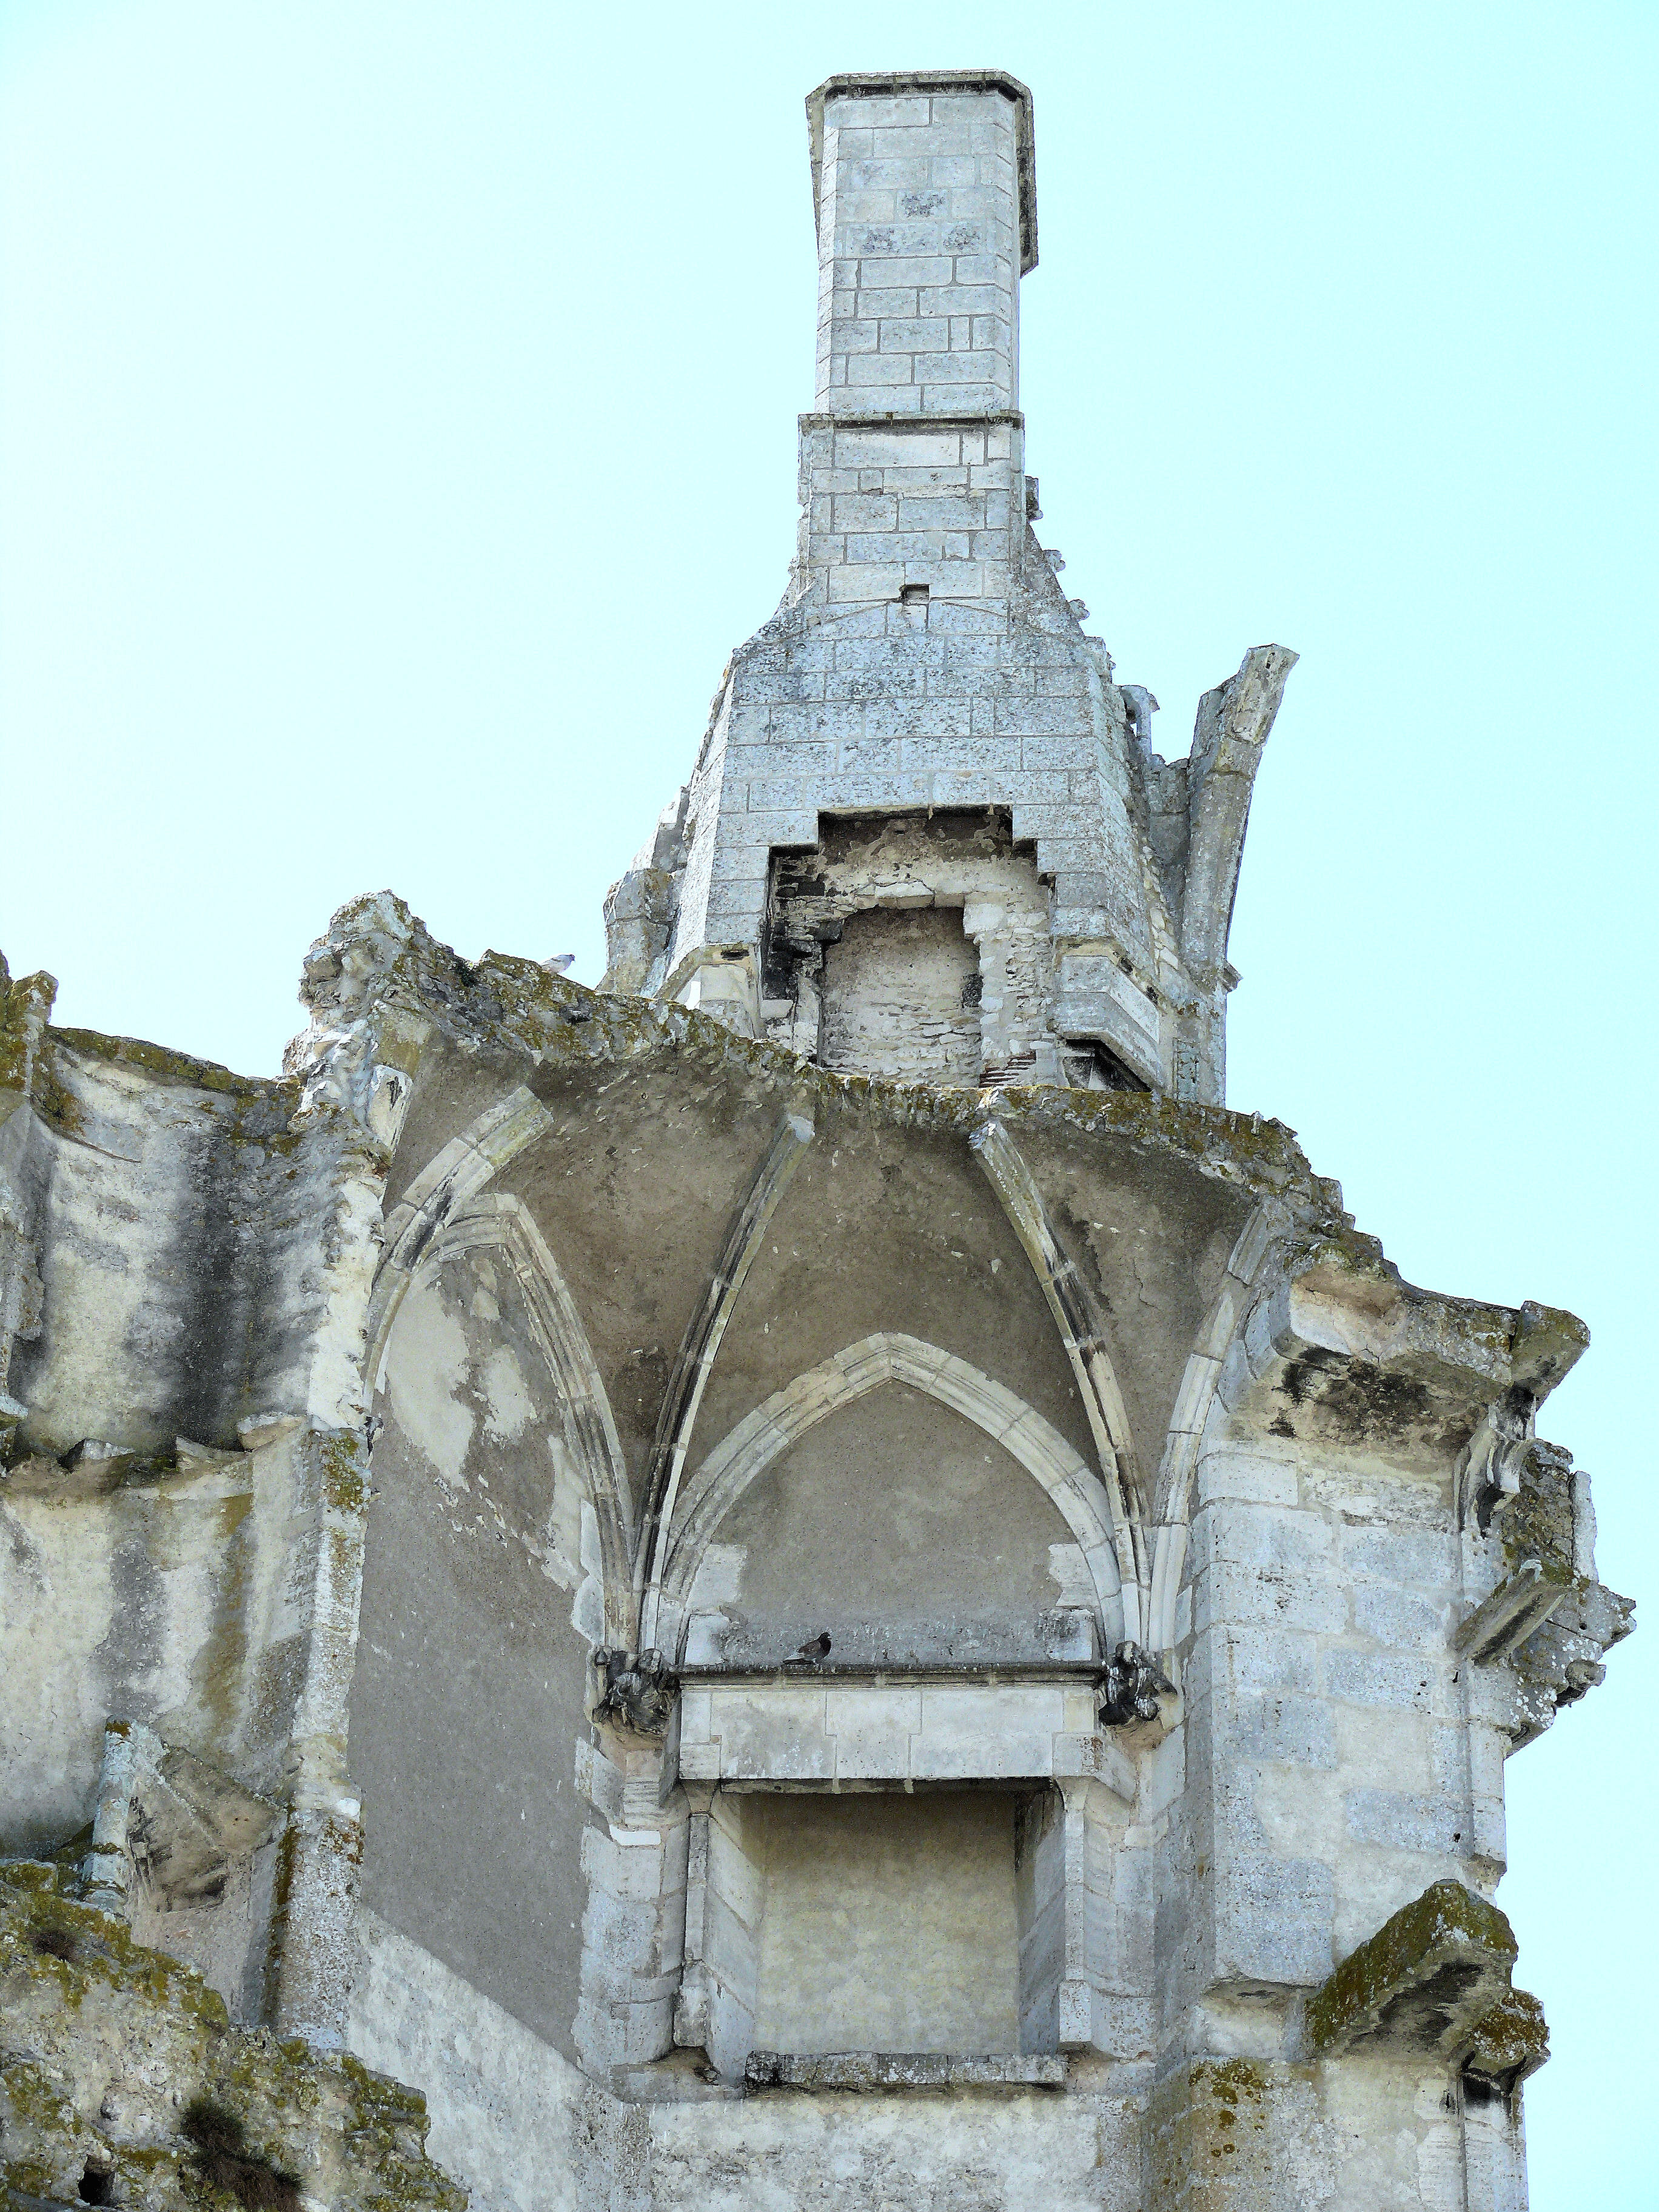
pixel 1406 1822
pixel 971 1733
pixel 892 172
pixel 1400 1618
pixel 1286 1730
pixel 1422 1557
pixel 1273 1920
pixel 871 1731
pixel 778 1738
pixel 953 141
pixel 1244 1476
pixel 855 207
pixel 880 368
pixel 1235 1593
pixel 1423 1982
pixel 941 396
pixel 1383 1679
pixel 865 582
pixel 875 301
pixel 913 334
pixel 846 112
pixel 1257 1659
pixel 733 1874
pixel 867 448
pixel 866 511
pixel 904 272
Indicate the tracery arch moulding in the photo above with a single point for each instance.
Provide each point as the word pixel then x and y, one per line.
pixel 745 1452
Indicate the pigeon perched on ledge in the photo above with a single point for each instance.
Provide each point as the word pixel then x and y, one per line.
pixel 817 1648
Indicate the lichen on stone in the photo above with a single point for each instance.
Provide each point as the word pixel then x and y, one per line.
pixel 121 2062
pixel 1449 1936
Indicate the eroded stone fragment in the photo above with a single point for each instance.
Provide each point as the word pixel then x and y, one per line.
pixel 1430 1980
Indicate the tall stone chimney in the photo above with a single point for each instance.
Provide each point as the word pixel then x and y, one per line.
pixel 926 837
pixel 925 196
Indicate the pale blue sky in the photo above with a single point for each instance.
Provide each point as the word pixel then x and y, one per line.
pixel 397 431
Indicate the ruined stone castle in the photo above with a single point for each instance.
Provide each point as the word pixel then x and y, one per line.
pixel 810 1578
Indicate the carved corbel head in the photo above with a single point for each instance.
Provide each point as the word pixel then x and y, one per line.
pixel 1490 1466
pixel 635 1689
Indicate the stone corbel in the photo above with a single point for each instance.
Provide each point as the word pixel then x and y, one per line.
pixel 1523 1601
pixel 1490 1466
pixel 636 1691
pixel 1434 1980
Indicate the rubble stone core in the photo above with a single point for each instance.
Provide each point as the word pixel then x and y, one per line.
pixel 810 1578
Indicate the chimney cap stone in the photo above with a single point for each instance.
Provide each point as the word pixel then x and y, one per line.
pixel 895 84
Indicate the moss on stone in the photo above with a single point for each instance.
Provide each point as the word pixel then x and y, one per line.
pixel 1446 1921
pixel 1538 1524
pixel 160 1061
pixel 344 1486
pixel 211 2114
pixel 1509 2041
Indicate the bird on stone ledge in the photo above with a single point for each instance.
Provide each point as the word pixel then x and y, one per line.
pixel 817 1648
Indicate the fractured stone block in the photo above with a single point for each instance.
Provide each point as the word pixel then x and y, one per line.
pixel 1435 1978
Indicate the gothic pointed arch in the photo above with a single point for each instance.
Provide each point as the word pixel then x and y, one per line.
pixel 464 1166
pixel 744 1453
pixel 500 1222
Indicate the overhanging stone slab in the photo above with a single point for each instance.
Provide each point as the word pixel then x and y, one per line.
pixel 861 1731
pixel 1425 1981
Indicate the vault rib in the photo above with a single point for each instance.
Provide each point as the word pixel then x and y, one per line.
pixel 699 1348
pixel 501 1221
pixel 452 1176
pixel 1081 1333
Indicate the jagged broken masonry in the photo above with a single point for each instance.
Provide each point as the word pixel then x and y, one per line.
pixel 811 1577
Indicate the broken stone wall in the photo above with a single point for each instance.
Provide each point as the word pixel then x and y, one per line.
pixel 936 1007
pixel 123 2082
pixel 180 1227
pixel 898 993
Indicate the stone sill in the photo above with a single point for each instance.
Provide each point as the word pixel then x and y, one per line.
pixel 989 1672
pixel 873 419
pixel 819 1727
pixel 863 2070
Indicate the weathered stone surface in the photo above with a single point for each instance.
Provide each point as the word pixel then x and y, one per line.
pixel 123 2082
pixel 812 1578
pixel 1429 1980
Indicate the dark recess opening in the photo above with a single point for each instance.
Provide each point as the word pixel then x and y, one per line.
pixel 1102 1062
pixel 98 2185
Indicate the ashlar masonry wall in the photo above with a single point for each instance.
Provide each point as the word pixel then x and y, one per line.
pixel 918 199
pixel 925 656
